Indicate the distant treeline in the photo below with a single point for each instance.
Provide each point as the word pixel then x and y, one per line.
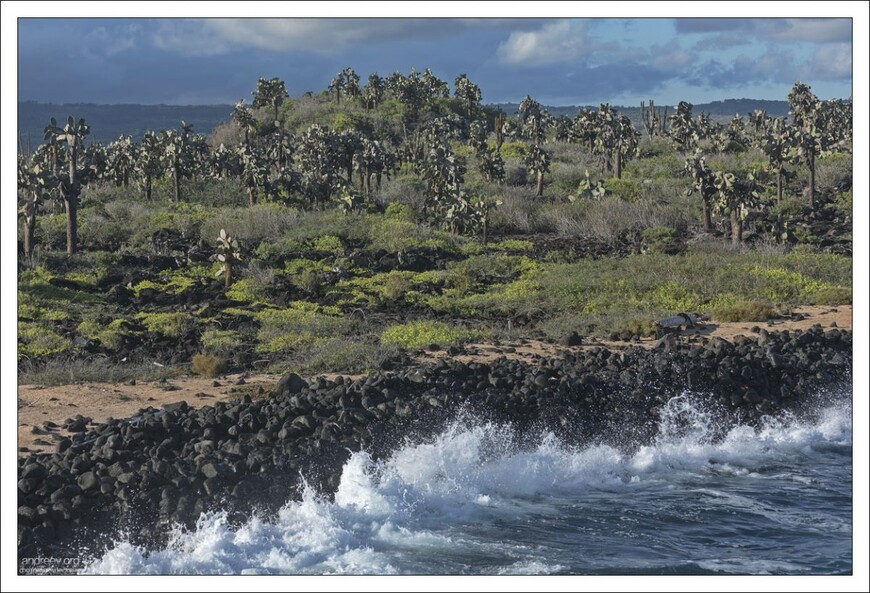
pixel 724 110
pixel 108 122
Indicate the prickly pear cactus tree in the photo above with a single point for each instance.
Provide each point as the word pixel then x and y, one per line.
pixel 588 189
pixel 735 195
pixel 35 185
pixel 682 129
pixel 491 165
pixel 803 104
pixel 254 172
pixel 244 118
pixel 270 93
pixel 702 184
pixel 537 160
pixel 468 94
pixel 228 255
pixel 73 134
pixel 149 162
pixel 584 129
pixel 778 142
pixel 121 160
pixel 373 91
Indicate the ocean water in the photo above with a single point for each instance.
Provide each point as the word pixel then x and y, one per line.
pixel 769 500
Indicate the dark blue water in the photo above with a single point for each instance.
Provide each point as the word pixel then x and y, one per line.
pixel 775 500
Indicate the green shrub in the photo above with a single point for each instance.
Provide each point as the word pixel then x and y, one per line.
pixel 220 341
pixel 789 206
pixel 396 285
pixel 744 311
pixel 514 150
pixel 246 290
pixel 329 244
pixel 309 281
pixel 399 212
pixel 207 365
pixel 420 334
pixel 173 325
pixel 344 355
pixel 640 326
pixel 661 239
pixel 110 335
pixel 624 189
pixel 36 340
pixel 300 325
pixel 832 295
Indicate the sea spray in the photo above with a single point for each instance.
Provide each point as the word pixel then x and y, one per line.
pixel 472 500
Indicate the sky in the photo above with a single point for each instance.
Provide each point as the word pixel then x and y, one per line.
pixel 557 61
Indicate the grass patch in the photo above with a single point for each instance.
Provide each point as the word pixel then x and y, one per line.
pixel 420 334
pixel 173 325
pixel 833 295
pixel 301 325
pixel 207 365
pixel 36 341
pixel 745 311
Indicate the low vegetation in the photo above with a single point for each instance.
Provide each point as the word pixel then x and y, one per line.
pixel 328 232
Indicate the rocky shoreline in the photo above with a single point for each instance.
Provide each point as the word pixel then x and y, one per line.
pixel 140 475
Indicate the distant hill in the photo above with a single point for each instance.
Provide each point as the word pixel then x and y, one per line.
pixel 110 121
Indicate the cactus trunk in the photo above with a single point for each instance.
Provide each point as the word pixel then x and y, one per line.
pixel 812 188
pixel 779 186
pixel 540 189
pixel 736 228
pixel 29 228
pixel 71 202
pixel 176 182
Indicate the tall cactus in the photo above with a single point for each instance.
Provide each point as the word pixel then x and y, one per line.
pixel 74 134
pixel 653 119
pixel 228 254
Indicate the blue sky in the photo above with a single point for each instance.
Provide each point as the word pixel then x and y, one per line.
pixel 557 61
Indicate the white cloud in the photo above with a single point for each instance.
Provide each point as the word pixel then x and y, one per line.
pixel 832 61
pixel 553 43
pixel 670 57
pixel 322 35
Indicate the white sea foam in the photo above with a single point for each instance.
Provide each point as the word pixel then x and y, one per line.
pixel 404 513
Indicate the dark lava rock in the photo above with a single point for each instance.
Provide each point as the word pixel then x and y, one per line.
pixel 245 454
pixel 88 481
pixel 290 384
pixel 181 406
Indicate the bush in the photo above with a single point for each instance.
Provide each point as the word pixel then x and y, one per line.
pixel 744 311
pixel 832 295
pixel 220 342
pixel 624 189
pixel 36 340
pixel 396 286
pixel 789 206
pixel 516 150
pixel 640 326
pixel 420 334
pixel 661 239
pixel 328 244
pixel 173 325
pixel 207 365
